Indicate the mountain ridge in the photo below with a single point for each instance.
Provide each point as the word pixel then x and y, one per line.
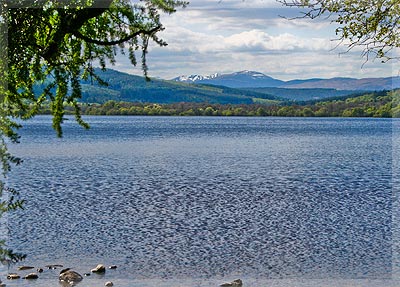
pixel 254 79
pixel 130 88
pixel 241 79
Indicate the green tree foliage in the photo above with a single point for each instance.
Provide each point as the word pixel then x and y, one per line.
pixel 380 104
pixel 371 24
pixel 54 44
pixel 57 42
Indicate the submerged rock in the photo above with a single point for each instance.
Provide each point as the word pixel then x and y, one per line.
pixel 109 284
pixel 112 267
pixel 25 267
pixel 234 283
pixel 99 269
pixel 54 266
pixel 64 270
pixel 69 276
pixel 40 270
pixel 13 276
pixel 2 284
pixel 31 276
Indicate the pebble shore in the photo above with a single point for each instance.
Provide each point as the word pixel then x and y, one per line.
pixel 69 277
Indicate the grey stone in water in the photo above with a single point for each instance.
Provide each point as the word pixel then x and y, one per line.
pixel 69 276
pixel 99 269
pixel 112 267
pixel 40 270
pixel 31 276
pixel 54 266
pixel 13 276
pixel 64 270
pixel 234 283
pixel 109 284
pixel 25 267
pixel 2 284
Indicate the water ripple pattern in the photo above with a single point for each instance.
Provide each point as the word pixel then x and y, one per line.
pixel 207 197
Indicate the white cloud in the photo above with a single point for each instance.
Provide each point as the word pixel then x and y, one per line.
pixel 231 35
pixel 256 40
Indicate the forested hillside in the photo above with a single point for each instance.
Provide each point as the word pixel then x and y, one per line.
pixel 303 94
pixel 130 88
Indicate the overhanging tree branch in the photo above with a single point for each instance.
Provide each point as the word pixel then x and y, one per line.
pixel 67 37
pixel 372 25
pixel 119 41
pixel 71 21
pixel 50 45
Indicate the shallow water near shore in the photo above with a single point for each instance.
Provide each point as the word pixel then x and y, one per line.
pixel 248 282
pixel 177 201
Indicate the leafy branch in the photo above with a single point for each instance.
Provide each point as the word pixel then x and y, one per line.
pixel 372 25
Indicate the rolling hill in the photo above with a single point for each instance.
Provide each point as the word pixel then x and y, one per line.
pixel 130 88
pixel 366 84
pixel 303 94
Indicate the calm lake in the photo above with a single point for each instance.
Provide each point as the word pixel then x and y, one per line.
pixel 196 201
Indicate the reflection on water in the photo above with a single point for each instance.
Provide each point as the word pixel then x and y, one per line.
pixel 197 199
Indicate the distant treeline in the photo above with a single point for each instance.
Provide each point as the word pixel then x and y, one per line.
pixel 380 104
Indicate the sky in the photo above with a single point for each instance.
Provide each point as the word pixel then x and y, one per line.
pixel 226 36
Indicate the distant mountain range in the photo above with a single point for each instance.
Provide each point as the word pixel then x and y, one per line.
pixel 253 79
pixel 244 87
pixel 130 88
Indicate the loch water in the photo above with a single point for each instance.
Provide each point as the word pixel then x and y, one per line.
pixel 196 201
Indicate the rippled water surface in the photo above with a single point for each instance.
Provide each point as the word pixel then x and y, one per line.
pixel 176 201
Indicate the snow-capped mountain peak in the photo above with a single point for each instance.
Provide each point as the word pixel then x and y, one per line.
pixel 189 78
pixel 215 75
pixel 243 78
pixel 253 74
pixel 195 78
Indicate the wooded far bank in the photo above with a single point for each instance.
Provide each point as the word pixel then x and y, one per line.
pixel 380 104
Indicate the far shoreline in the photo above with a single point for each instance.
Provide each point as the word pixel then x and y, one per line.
pixel 384 104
